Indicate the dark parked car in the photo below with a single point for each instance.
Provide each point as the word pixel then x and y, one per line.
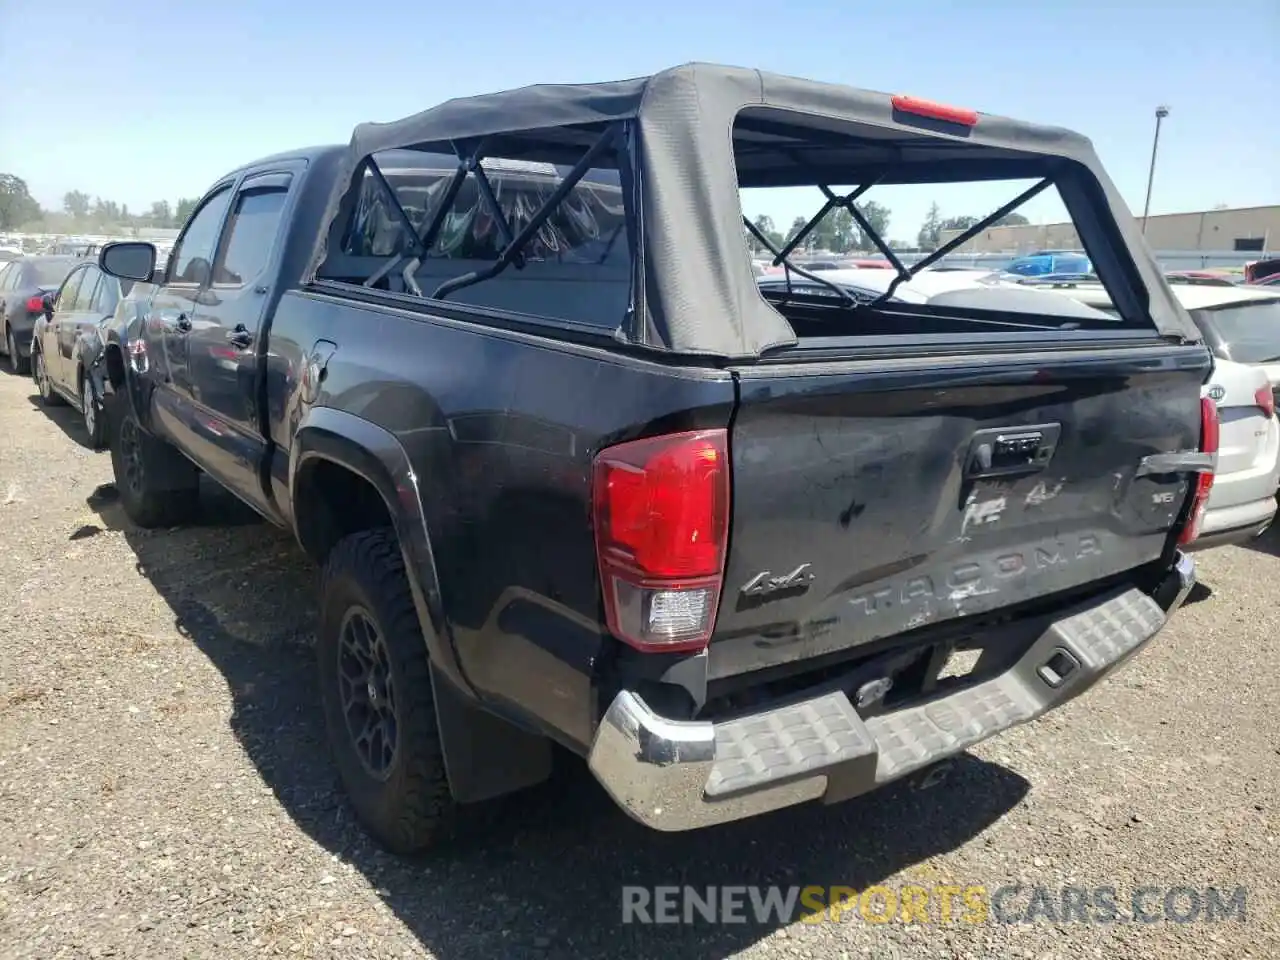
pixel 1263 272
pixel 68 339
pixel 23 286
pixel 504 370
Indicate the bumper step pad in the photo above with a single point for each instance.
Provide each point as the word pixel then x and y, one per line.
pixel 819 735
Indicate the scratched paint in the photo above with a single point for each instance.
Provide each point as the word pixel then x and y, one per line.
pixel 1042 493
pixel 978 512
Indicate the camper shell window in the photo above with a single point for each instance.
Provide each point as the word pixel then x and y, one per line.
pixel 829 172
pixel 486 230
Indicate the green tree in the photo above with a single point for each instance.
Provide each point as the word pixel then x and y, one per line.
pixel 877 217
pixel 844 233
pixel 183 212
pixel 76 203
pixel 105 211
pixel 764 223
pixel 161 215
pixel 931 229
pixel 796 226
pixel 958 223
pixel 1012 220
pixel 17 206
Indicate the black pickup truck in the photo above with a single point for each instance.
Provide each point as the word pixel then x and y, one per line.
pixel 573 478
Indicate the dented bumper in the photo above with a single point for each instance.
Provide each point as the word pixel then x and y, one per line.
pixel 678 775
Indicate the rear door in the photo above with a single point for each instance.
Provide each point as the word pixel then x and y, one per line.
pixel 102 305
pixel 63 303
pixel 879 497
pixel 68 323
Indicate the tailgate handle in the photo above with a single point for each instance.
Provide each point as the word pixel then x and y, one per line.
pixel 1002 452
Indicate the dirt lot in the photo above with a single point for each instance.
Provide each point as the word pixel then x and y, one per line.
pixel 165 791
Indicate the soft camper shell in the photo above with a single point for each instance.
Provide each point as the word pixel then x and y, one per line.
pixel 694 292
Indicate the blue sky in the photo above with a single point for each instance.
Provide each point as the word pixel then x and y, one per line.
pixel 144 100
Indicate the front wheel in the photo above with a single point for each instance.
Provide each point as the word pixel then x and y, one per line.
pixel 158 486
pixel 375 686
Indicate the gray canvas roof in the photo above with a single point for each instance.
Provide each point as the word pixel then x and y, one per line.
pixel 699 294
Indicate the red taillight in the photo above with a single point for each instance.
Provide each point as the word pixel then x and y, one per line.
pixel 1266 399
pixel 661 510
pixel 935 111
pixel 35 305
pixel 1209 428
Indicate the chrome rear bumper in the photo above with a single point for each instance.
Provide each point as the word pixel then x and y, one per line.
pixel 679 775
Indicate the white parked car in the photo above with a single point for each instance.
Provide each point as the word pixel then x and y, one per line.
pixel 1242 328
pixel 944 287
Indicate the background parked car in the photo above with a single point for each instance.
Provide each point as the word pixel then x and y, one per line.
pixel 1047 262
pixel 67 340
pixel 1241 325
pixel 924 287
pixel 23 285
pixel 1262 272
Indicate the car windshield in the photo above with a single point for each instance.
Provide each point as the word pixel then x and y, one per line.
pixel 50 273
pixel 1246 332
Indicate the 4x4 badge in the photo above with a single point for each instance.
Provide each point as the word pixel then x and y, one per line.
pixel 766 582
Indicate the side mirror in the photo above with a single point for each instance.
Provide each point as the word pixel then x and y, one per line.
pixel 128 260
pixel 46 304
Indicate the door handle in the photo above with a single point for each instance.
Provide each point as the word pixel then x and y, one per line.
pixel 240 337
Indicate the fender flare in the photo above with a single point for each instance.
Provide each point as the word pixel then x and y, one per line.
pixel 471 735
pixel 375 455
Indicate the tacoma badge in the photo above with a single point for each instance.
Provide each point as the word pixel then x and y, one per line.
pixel 765 583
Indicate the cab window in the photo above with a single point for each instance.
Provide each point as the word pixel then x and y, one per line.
pixel 67 294
pixel 192 258
pixel 84 296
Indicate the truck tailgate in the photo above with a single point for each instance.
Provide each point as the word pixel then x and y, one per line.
pixel 876 497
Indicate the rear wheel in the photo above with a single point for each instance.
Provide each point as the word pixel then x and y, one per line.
pixel 17 362
pixel 375 685
pixel 40 374
pixel 158 486
pixel 94 422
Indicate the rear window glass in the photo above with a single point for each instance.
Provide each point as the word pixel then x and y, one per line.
pixel 1246 333
pixel 916 195
pixel 588 227
pixel 584 240
pixel 48 273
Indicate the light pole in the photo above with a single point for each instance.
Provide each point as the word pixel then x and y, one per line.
pixel 1161 113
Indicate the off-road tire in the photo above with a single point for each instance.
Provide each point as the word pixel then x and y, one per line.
pixel 411 808
pixel 144 502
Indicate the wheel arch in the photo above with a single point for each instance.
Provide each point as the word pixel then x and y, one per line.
pixel 347 474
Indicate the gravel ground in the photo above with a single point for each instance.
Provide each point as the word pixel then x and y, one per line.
pixel 165 791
